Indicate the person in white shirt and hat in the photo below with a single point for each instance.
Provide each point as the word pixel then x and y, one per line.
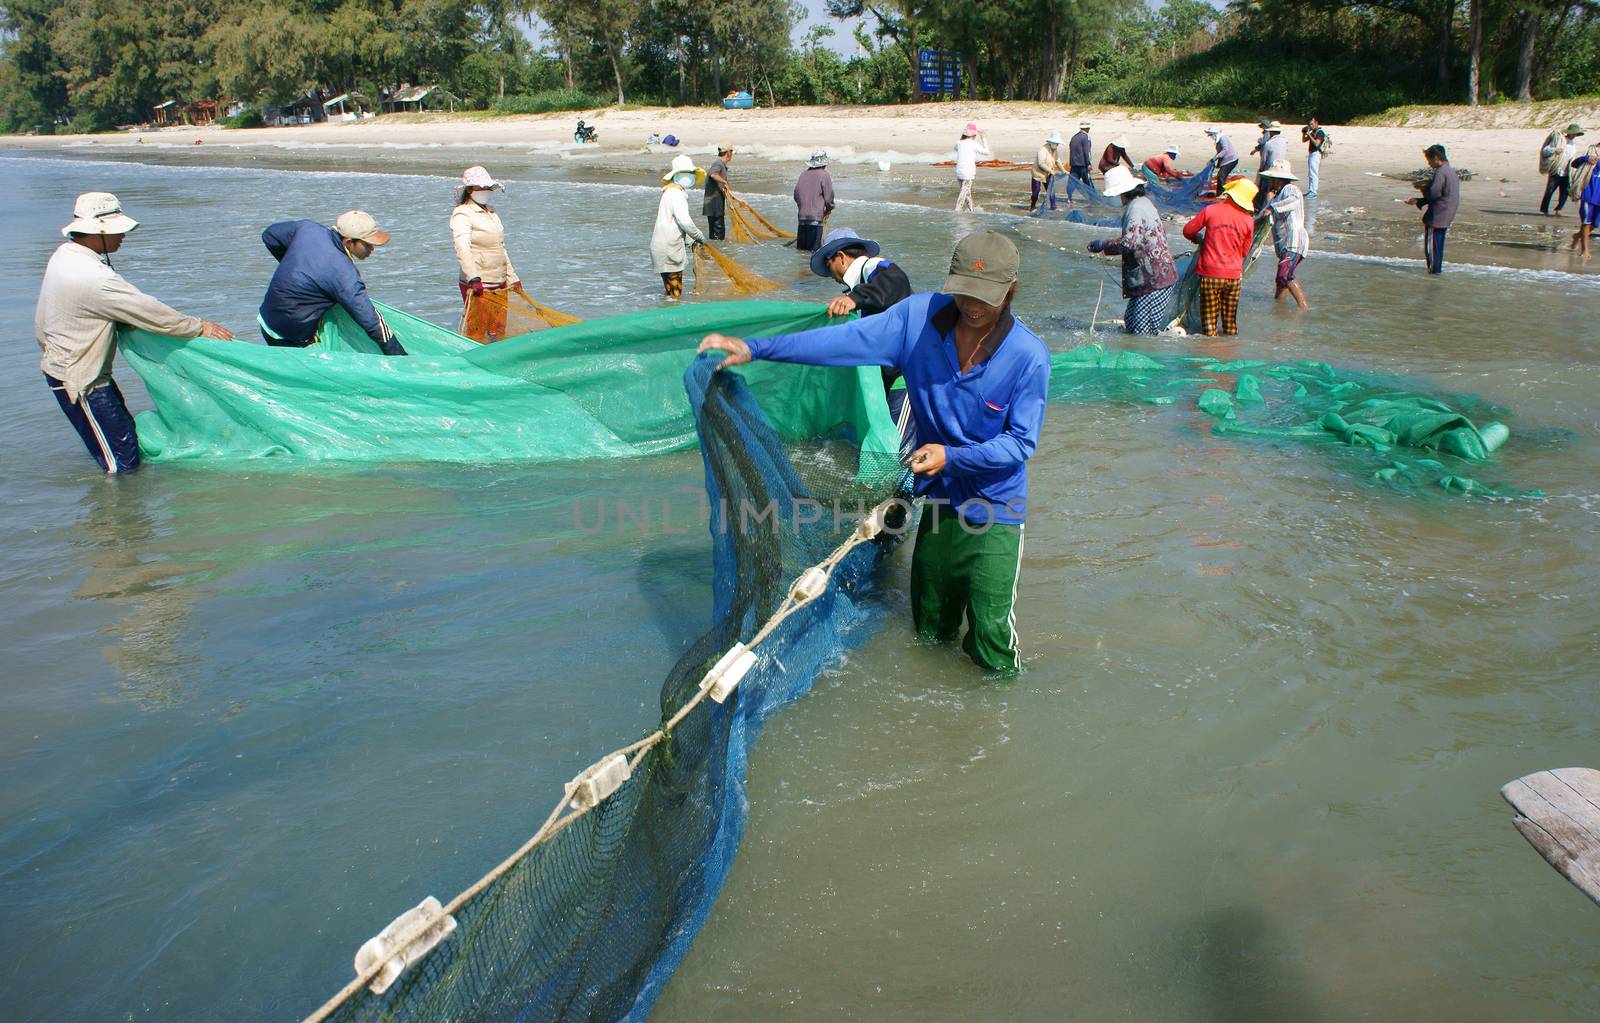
pixel 82 302
pixel 1290 238
pixel 1046 165
pixel 675 229
pixel 480 244
pixel 1148 272
pixel 1272 147
pixel 970 148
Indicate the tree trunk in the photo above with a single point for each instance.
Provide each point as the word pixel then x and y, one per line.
pixel 566 55
pixel 681 62
pixel 716 67
pixel 1530 26
pixel 1050 75
pixel 616 69
pixel 1445 17
pixel 1072 59
pixel 1474 68
pixel 772 99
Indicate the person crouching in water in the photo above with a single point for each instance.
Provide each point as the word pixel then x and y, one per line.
pixel 977 380
pixel 813 201
pixel 316 271
pixel 1148 273
pixel 82 302
pixel 1224 231
pixel 675 230
pixel 872 284
pixel 1290 238
pixel 480 244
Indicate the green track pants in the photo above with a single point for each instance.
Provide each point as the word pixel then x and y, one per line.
pixel 960 573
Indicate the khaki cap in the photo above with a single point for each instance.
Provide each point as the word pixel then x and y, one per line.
pixel 359 225
pixel 983 267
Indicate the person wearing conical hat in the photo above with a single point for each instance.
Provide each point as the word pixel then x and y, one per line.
pixel 1290 239
pixel 675 229
pixel 1148 273
pixel 1224 231
pixel 813 200
pixel 1046 165
pixel 81 303
pixel 480 243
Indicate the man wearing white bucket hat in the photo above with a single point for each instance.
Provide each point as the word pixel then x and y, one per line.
pixel 81 303
pixel 1080 153
pixel 1046 165
pixel 813 201
pixel 1227 157
pixel 1148 273
pixel 668 249
pixel 1290 238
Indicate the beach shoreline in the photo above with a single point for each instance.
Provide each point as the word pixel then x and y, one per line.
pixel 1361 207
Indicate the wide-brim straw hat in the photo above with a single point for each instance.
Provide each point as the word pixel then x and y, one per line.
pixel 98 213
pixel 1273 126
pixel 839 238
pixel 685 165
pixel 1243 192
pixel 1053 139
pixel 1084 125
pixel 1121 142
pixel 1280 169
pixel 1213 132
pixel 1120 179
pixel 479 177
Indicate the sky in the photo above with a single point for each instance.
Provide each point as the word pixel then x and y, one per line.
pixel 816 14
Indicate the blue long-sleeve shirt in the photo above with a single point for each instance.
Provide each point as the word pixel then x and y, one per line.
pixel 314 274
pixel 988 418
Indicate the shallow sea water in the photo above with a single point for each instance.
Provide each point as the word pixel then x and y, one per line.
pixel 1251 772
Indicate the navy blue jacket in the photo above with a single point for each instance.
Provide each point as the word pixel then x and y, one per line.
pixel 314 274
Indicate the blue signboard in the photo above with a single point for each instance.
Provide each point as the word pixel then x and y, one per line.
pixel 938 72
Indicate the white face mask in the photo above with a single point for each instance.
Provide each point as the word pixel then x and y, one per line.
pixel 481 196
pixel 684 180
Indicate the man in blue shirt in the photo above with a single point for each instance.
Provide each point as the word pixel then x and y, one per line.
pixel 316 271
pixel 977 380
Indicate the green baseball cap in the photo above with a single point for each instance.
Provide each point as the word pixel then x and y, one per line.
pixel 984 266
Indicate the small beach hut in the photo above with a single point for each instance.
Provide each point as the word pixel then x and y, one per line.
pixel 163 115
pixel 417 98
pixel 347 106
pixel 201 112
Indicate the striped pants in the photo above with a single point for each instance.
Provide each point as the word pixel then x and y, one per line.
pixel 1219 305
pixel 104 423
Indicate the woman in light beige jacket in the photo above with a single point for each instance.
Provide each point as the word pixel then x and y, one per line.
pixel 480 243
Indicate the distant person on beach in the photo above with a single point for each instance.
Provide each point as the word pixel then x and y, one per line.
pixel 1080 153
pixel 1227 157
pixel 1224 231
pixel 977 380
pixel 1586 186
pixel 1441 196
pixel 317 271
pixel 1046 165
pixel 480 244
pixel 1164 166
pixel 1315 139
pixel 1290 239
pixel 971 148
pixel 1272 148
pixel 1148 273
pixel 714 204
pixel 1555 160
pixel 675 229
pixel 1116 154
pixel 81 303
pixel 813 201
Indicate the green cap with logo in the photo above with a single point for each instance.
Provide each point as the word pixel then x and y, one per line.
pixel 984 266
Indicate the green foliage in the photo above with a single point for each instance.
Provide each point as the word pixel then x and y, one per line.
pixel 244 119
pixel 549 101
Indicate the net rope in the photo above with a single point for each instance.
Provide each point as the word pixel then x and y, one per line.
pixel 503 313
pixel 715 269
pixel 749 225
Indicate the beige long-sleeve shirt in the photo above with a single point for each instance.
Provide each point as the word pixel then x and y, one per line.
pixel 81 302
pixel 480 241
pixel 673 225
pixel 1047 163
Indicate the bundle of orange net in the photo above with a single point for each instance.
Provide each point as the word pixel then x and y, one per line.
pixel 749 225
pixel 712 267
pixel 508 312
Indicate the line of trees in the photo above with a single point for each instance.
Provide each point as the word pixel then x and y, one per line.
pixel 97 63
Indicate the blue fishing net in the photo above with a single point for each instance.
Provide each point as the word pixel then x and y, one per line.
pixel 1178 198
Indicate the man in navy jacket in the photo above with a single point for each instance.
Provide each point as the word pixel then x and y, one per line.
pixel 316 271
pixel 977 380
